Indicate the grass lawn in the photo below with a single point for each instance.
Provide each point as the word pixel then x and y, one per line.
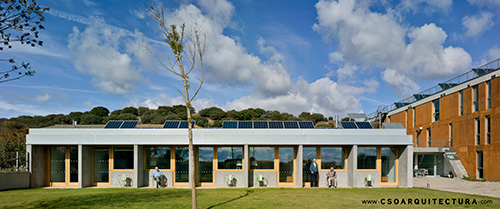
pixel 230 198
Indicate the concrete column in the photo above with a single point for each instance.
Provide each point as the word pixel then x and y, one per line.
pixel 299 165
pixel 246 169
pixel 28 161
pixel 352 165
pixel 405 167
pixel 80 166
pixel 137 172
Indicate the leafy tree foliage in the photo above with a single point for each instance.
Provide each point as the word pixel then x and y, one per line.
pixel 20 21
pixel 100 111
pixel 213 113
pixel 12 139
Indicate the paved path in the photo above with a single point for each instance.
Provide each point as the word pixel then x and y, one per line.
pixel 491 189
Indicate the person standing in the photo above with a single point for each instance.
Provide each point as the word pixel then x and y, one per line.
pixel 157 175
pixel 314 173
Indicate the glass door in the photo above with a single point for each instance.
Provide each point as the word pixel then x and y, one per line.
pixel 389 166
pixel 308 154
pixel 58 166
pixel 181 166
pixel 101 166
pixel 63 166
pixel 205 165
pixel 286 174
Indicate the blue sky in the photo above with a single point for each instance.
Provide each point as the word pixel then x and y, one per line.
pixel 331 57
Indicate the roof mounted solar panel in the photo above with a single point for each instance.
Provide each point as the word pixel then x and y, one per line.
pixel 348 125
pixel 185 124
pixel 245 124
pixel 275 124
pixel 229 124
pixel 171 124
pixel 306 124
pixel 364 125
pixel 260 124
pixel 291 124
pixel 114 124
pixel 393 126
pixel 129 124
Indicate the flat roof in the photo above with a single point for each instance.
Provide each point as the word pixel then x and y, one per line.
pixel 77 136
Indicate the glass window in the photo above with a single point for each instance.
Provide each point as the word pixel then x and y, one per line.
pixel 474 99
pixel 123 158
pixel 478 131
pixel 332 156
pixel 181 164
pixel 261 157
pixel 367 157
pixel 414 117
pixel 101 164
pixel 488 128
pixel 230 157
pixel 57 164
pixel 157 156
pixel 480 164
pixel 406 119
pixel 461 95
pixel 388 155
pixel 308 153
pixel 429 137
pixel 451 134
pixel 436 110
pixel 488 95
pixel 73 164
pixel 286 157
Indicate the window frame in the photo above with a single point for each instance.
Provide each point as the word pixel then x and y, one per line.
pixel 435 111
pixel 475 98
pixel 477 131
pixel 161 169
pixel 319 159
pixel 377 159
pixel 488 129
pixel 112 159
pixel 216 159
pixel 275 160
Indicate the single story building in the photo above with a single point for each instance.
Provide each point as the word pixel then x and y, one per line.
pixel 241 154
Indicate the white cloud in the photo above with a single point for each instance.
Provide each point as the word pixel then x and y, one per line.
pixel 378 40
pixel 477 25
pixel 97 52
pixel 164 100
pixel 323 96
pixel 494 53
pixel 428 6
pixel 488 4
pixel 42 98
pixel 401 83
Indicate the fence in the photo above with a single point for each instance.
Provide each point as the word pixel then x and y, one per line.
pixel 434 142
pixel 13 161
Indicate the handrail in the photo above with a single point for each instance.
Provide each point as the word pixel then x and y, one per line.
pixel 467 76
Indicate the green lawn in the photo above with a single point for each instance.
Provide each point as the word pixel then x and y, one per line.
pixel 229 198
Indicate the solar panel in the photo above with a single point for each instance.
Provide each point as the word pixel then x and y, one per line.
pixel 129 124
pixel 113 124
pixel 275 124
pixel 260 124
pixel 184 124
pixel 244 124
pixel 306 124
pixel 393 125
pixel 348 125
pixel 291 124
pixel 364 125
pixel 171 124
pixel 229 124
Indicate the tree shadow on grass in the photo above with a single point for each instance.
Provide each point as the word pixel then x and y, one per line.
pixel 248 192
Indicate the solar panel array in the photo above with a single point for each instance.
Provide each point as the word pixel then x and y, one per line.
pixel 268 124
pixel 177 124
pixel 121 124
pixel 356 125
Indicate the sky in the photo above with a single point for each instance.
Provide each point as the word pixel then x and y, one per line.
pixel 329 57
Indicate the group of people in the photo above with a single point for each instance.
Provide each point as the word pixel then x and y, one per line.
pixel 331 175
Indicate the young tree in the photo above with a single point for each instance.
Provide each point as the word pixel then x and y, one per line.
pixel 20 21
pixel 174 37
